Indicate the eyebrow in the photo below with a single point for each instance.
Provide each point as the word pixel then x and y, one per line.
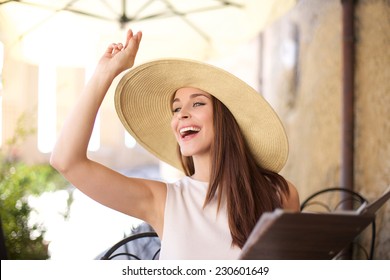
pixel 194 95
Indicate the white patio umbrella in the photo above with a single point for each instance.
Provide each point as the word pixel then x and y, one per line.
pixel 74 32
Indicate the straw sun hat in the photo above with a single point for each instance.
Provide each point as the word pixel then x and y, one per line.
pixel 143 103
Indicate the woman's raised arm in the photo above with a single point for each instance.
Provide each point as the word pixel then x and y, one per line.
pixel 144 199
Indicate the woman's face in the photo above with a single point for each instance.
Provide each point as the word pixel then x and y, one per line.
pixel 192 121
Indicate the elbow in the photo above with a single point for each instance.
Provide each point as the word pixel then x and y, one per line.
pixel 59 163
pixel 54 162
pixel 66 165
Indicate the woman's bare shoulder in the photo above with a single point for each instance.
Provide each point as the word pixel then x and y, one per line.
pixel 291 202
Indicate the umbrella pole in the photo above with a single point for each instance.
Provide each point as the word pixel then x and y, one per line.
pixel 348 116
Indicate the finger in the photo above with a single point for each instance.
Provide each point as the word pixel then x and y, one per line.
pixel 136 39
pixel 110 49
pixel 139 36
pixel 134 44
pixel 128 37
pixel 118 47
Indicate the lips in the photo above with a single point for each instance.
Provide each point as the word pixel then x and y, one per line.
pixel 188 131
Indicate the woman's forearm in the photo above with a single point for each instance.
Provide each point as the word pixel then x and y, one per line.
pixel 71 146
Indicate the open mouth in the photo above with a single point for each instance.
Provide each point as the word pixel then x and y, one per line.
pixel 188 131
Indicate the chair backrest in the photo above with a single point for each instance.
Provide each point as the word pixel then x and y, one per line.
pixel 138 246
pixel 341 199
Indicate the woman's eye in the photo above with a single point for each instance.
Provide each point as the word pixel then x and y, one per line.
pixel 196 104
pixel 176 110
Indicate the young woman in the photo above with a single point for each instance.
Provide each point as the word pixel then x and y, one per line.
pixel 223 135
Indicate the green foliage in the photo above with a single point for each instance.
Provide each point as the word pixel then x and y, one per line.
pixel 18 181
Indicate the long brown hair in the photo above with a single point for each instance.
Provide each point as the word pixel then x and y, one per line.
pixel 248 189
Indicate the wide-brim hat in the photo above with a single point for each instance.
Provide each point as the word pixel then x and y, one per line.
pixel 143 102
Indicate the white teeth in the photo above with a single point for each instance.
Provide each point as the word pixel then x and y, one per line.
pixel 189 128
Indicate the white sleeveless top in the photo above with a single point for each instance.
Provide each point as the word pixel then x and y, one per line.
pixel 191 232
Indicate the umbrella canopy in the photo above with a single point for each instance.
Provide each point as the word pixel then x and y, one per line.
pixel 74 32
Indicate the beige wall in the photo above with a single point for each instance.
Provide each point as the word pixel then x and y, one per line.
pixel 308 97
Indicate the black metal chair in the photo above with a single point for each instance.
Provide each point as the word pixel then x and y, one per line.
pixel 138 246
pixel 339 199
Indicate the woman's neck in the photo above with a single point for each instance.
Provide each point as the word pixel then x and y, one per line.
pixel 202 168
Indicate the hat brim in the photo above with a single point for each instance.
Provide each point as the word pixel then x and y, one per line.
pixel 143 102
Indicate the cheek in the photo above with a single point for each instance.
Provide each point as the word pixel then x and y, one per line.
pixel 173 124
pixel 208 119
pixel 212 125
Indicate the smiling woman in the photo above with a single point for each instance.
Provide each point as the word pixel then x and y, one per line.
pixel 231 157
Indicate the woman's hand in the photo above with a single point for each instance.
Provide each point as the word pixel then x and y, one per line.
pixel 119 58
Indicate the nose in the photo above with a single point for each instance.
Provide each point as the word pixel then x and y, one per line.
pixel 183 114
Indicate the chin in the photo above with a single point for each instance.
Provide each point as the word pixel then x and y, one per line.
pixel 186 153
